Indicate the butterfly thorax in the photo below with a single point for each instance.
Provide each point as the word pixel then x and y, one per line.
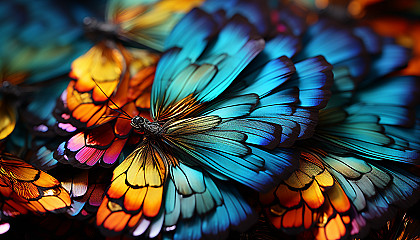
pixel 97 30
pixel 142 124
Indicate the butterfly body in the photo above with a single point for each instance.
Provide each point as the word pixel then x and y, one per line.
pixel 143 124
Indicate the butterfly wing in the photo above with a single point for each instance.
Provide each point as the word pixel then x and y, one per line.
pixel 86 189
pixel 102 144
pixel 107 77
pixel 7 119
pixel 201 206
pixel 31 188
pixel 376 189
pixel 362 134
pixel 310 200
pixel 221 149
pixel 149 22
pixel 254 11
pixel 381 62
pixel 136 191
pixel 340 47
pixel 291 94
pixel 186 77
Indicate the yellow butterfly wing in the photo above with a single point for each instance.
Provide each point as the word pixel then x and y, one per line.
pixel 7 119
pixel 136 191
pixel 104 72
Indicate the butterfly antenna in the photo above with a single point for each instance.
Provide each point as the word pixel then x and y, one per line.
pixel 120 109
pixel 123 117
pixel 124 67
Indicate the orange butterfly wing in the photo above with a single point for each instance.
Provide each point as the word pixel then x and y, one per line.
pixel 136 190
pixel 30 188
pixel 310 200
pixel 106 72
pixel 105 142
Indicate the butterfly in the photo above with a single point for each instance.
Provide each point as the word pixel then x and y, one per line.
pixel 108 61
pixel 211 121
pixel 85 103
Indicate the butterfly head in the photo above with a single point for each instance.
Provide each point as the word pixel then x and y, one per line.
pixel 97 30
pixel 142 124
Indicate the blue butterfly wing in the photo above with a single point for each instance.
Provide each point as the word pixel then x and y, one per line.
pixel 372 41
pixel 281 45
pixel 295 105
pixel 181 76
pixel 392 100
pixel 253 10
pixel 391 58
pixel 364 136
pixel 224 151
pixel 339 46
pixel 219 209
pixel 263 79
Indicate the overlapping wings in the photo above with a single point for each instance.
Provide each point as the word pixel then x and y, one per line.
pixel 188 76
